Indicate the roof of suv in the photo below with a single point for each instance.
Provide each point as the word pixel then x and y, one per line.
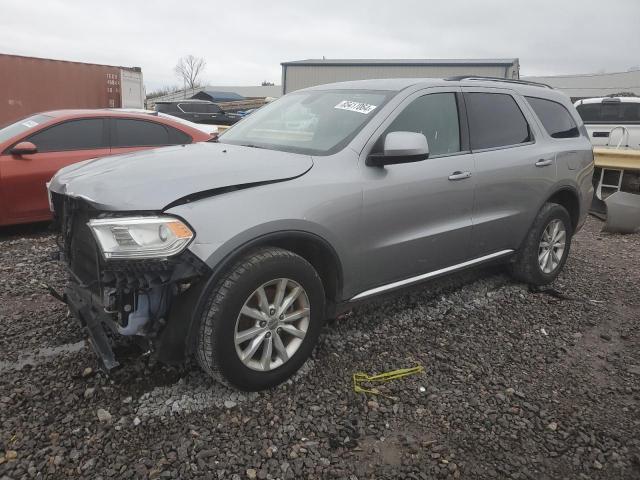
pixel 397 84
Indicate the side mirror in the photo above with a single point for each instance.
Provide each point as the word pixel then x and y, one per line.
pixel 401 147
pixel 23 148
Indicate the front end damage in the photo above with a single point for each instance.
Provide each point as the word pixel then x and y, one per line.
pixel 617 189
pixel 139 299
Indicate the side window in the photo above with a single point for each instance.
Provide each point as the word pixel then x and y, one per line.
pixel 85 134
pixel 176 137
pixel 199 108
pixel 436 117
pixel 555 117
pixel 495 120
pixel 139 133
pixel 187 108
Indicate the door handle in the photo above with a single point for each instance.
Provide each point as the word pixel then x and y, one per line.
pixel 544 163
pixel 459 175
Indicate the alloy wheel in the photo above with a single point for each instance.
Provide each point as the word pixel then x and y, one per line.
pixel 552 245
pixel 272 324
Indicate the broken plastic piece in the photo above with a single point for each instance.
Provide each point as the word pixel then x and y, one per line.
pixel 623 213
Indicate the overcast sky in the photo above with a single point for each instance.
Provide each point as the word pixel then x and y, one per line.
pixel 244 42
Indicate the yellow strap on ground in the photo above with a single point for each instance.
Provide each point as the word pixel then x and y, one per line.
pixel 360 377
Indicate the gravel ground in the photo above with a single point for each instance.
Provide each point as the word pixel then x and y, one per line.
pixel 517 384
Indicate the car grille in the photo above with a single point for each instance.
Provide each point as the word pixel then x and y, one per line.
pixel 78 245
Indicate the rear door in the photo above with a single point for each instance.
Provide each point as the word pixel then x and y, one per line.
pixel 417 216
pixel 515 168
pixel 130 134
pixel 24 177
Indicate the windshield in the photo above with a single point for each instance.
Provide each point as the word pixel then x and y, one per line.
pixel 313 122
pixel 21 126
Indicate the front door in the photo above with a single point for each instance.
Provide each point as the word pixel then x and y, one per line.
pixel 24 177
pixel 417 216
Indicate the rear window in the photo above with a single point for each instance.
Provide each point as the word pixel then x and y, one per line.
pixel 609 112
pixel 495 120
pixel 555 118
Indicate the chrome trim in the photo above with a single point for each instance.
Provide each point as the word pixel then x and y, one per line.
pixel 424 276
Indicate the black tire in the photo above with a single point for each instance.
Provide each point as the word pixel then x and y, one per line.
pixel 526 267
pixel 216 351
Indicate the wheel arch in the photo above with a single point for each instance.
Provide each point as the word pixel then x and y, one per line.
pixel 568 197
pixel 177 340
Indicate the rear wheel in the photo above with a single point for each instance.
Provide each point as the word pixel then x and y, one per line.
pixel 546 247
pixel 262 320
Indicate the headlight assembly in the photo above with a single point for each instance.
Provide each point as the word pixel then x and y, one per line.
pixel 140 237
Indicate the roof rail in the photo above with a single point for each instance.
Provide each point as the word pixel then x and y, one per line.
pixel 498 79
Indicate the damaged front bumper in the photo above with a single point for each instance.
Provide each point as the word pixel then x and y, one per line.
pixel 137 302
pixel 94 320
pixel 140 299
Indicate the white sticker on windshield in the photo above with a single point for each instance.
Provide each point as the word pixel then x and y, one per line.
pixel 356 107
pixel 30 123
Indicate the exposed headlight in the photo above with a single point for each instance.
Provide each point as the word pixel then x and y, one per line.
pixel 140 237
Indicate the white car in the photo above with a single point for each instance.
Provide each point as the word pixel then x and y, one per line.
pixel 611 121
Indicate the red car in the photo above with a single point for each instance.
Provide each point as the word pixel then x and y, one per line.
pixel 34 148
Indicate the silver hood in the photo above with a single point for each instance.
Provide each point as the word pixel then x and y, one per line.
pixel 154 179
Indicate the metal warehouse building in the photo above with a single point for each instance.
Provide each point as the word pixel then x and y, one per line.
pixel 307 73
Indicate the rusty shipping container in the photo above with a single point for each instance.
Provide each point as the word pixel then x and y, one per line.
pixel 29 85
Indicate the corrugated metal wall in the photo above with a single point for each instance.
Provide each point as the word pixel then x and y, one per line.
pixel 132 88
pixel 29 85
pixel 593 84
pixel 296 77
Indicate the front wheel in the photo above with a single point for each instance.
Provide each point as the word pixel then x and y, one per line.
pixel 262 320
pixel 546 247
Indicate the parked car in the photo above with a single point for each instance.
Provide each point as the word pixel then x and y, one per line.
pixel 611 121
pixel 34 148
pixel 236 252
pixel 198 111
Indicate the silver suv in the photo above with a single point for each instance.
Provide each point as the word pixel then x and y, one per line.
pixel 236 252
